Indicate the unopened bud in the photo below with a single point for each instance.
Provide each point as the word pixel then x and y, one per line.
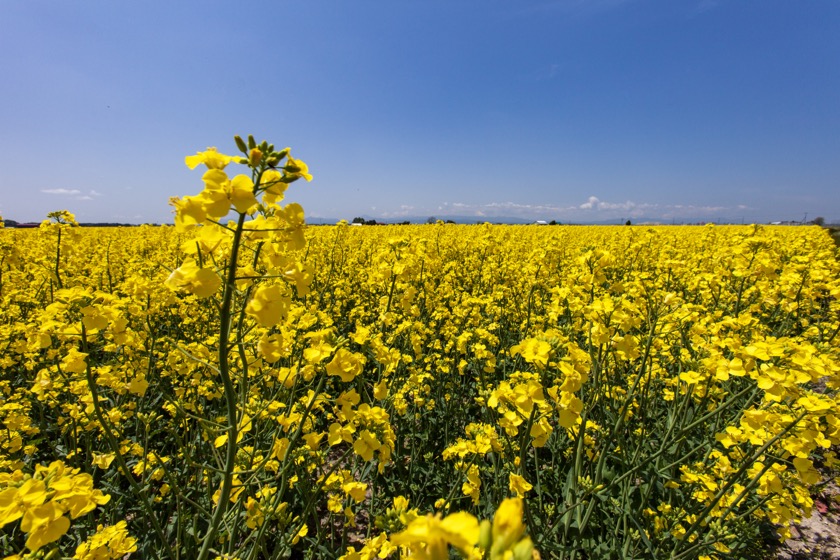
pixel 240 143
pixel 523 549
pixel 272 161
pixel 251 142
pixel 255 157
pixel 485 534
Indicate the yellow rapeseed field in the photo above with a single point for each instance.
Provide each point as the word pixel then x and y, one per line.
pixel 255 388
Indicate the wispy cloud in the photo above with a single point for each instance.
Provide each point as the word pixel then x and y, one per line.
pixel 75 193
pixel 592 209
pixel 547 72
pixel 62 191
pixel 705 6
pixel 401 212
pixel 594 203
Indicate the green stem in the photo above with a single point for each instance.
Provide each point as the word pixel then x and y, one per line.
pixel 732 481
pixel 58 259
pixel 230 393
pixel 115 447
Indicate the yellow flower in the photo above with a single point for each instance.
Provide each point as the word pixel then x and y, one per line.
pixel 103 460
pixel 269 305
pixel 43 524
pixel 346 365
pixel 317 352
pixel 211 158
pixel 507 526
pixel 214 198
pixel 189 212
pixel 74 362
pixel 296 167
pixel 220 192
pixel 533 351
pixel 302 532
pixel 518 485
pixel 242 194
pixel 355 490
pixel 11 508
pixel 201 282
pixel 272 347
pixel 244 427
pixel 339 433
pixel 108 543
pixel 431 536
pixel 366 445
pixel 273 185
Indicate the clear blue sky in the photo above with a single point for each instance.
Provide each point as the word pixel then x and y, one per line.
pixel 575 110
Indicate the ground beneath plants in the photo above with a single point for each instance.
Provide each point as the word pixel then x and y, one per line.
pixel 817 537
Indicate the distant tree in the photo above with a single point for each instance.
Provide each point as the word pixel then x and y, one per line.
pixel 431 220
pixel 370 222
pixel 819 221
pixel 628 223
pixel 450 221
pixel 358 220
pixel 10 223
pixel 552 223
pixel 405 223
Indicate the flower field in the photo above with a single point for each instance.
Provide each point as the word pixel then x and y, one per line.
pixel 251 387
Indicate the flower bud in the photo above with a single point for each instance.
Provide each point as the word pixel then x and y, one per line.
pixel 255 157
pixel 523 549
pixel 507 526
pixel 485 535
pixel 240 143
pixel 251 142
pixel 283 153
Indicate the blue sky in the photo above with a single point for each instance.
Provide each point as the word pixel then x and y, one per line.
pixel 574 110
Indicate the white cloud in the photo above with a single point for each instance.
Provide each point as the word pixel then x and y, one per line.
pixel 61 191
pixel 86 197
pixel 593 209
pixel 594 203
pixel 405 210
pixel 94 193
pixel 591 203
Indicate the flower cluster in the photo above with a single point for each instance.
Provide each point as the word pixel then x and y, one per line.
pixel 46 501
pixel 243 383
